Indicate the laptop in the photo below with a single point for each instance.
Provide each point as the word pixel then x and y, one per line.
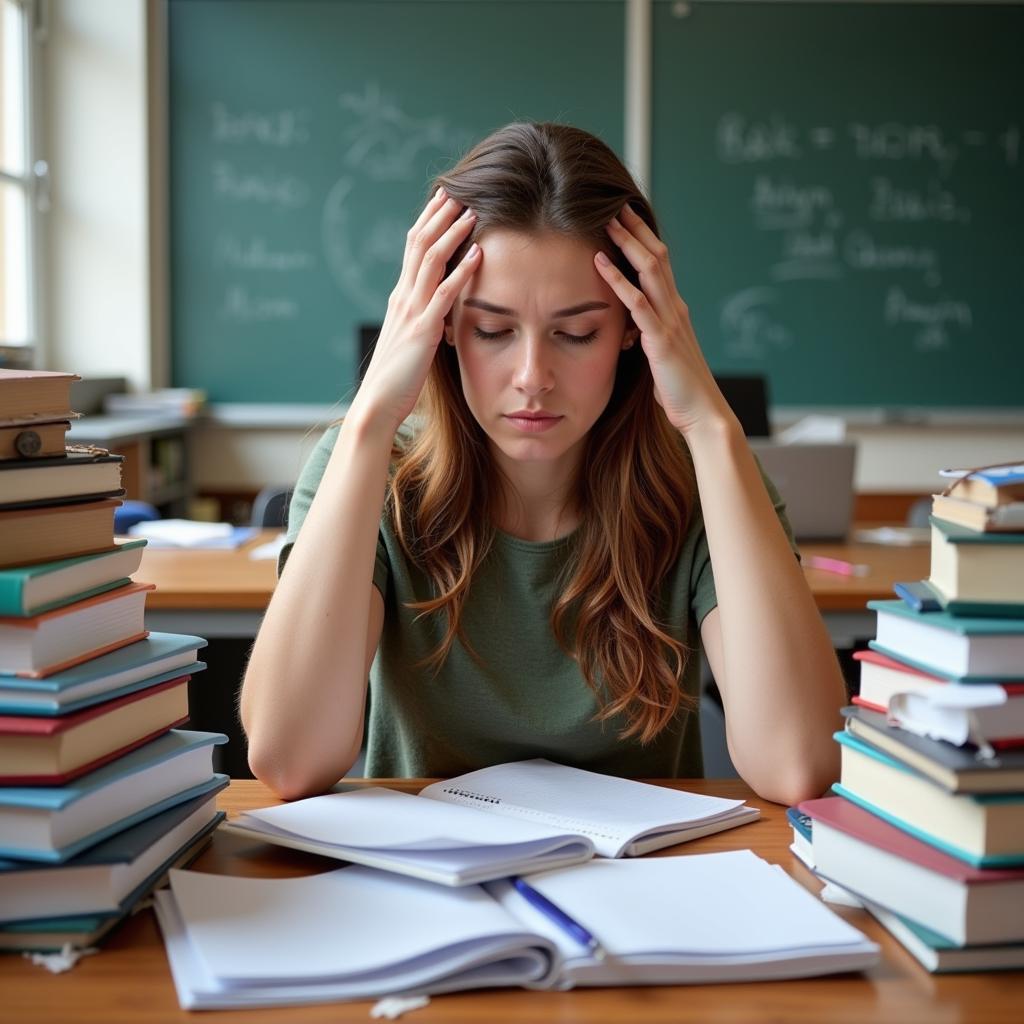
pixel 816 483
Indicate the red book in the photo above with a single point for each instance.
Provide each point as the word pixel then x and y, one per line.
pixel 875 860
pixel 52 641
pixel 52 751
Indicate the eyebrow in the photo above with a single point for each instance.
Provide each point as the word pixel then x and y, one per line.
pixel 560 314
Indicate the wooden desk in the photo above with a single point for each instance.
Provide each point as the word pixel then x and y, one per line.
pixel 129 981
pixel 224 593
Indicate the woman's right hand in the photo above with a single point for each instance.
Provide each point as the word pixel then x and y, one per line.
pixel 414 323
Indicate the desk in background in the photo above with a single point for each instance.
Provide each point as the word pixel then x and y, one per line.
pixel 224 593
pixel 130 979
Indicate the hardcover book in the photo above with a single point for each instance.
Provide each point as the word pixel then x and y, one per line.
pixel 47 643
pixel 35 394
pixel 52 751
pixel 52 532
pixel 34 589
pixel 971 568
pixel 155 659
pixel 79 474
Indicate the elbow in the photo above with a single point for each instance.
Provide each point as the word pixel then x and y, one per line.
pixel 793 787
pixel 287 779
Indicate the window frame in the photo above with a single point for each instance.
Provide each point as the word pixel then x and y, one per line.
pixel 34 182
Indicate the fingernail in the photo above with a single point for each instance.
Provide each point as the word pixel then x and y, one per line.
pixel 439 192
pixel 472 251
pixel 602 259
pixel 467 213
pixel 615 223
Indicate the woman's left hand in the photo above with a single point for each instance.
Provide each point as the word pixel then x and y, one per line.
pixel 683 384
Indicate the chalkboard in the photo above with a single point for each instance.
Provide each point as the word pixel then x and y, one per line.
pixel 842 189
pixel 302 138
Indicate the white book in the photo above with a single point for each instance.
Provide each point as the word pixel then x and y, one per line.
pixel 357 933
pixel 498 821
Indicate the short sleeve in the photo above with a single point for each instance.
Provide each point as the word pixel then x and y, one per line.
pixel 703 596
pixel 302 497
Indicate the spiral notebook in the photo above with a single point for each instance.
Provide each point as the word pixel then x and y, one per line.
pixel 504 820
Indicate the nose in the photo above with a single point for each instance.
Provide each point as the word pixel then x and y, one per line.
pixel 533 375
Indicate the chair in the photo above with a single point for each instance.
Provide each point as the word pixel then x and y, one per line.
pixel 748 399
pixel 270 508
pixel 131 512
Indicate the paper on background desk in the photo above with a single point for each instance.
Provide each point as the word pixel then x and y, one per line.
pixel 190 533
pixel 269 550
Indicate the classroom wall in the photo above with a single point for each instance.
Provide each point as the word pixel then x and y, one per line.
pixel 98 284
pixel 96 300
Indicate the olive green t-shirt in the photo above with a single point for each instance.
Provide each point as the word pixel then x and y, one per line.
pixel 529 698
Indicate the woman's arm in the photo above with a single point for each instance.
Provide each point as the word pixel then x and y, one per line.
pixel 304 692
pixel 766 643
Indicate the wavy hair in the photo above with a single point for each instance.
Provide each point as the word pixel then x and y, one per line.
pixel 635 486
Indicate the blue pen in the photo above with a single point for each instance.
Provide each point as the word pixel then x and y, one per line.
pixel 559 917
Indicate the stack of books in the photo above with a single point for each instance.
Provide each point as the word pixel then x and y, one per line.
pixel 928 826
pixel 100 793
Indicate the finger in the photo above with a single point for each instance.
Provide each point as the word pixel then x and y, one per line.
pixel 652 271
pixel 449 289
pixel 420 239
pixel 633 222
pixel 436 258
pixel 639 306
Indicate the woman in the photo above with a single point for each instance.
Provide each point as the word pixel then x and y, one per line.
pixel 528 571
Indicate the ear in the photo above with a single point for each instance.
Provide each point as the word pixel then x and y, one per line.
pixel 449 331
pixel 630 338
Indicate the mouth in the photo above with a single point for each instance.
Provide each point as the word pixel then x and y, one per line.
pixel 532 422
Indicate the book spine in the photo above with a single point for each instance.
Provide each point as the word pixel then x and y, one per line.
pixel 12 589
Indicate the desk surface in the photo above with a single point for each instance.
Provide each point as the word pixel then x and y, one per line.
pixel 221 580
pixel 129 980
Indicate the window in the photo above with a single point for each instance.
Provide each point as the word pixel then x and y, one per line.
pixel 22 175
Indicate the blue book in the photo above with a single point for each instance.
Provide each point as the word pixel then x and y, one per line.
pixel 986 830
pixel 918 595
pixel 33 589
pixel 983 648
pixel 52 824
pixel 107 878
pixel 161 656
pixel 82 930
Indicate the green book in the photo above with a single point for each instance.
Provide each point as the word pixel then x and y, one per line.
pixel 33 589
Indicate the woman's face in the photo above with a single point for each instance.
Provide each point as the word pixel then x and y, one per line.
pixel 538 334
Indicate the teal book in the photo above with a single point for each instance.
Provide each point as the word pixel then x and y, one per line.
pixel 107 878
pixel 976 570
pixel 33 589
pixel 976 648
pixel 986 830
pixel 157 658
pixel 54 823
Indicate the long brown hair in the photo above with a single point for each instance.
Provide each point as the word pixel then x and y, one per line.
pixel 635 487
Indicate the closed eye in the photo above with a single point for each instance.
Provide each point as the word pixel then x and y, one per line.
pixel 579 339
pixel 489 335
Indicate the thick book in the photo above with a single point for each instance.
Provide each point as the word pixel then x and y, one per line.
pixel 34 589
pixel 971 569
pixel 104 879
pixel 52 824
pixel 882 677
pixel 52 751
pixel 52 532
pixel 983 829
pixel 495 822
pixel 33 440
pixel 964 769
pixel 717 917
pixel 976 516
pixel 155 659
pixel 990 487
pixel 80 474
pixel 83 931
pixel 43 644
pixel 872 859
pixel 940 956
pixel 982 649
pixel 35 394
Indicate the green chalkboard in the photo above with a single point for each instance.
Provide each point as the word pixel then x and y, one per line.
pixel 842 187
pixel 302 138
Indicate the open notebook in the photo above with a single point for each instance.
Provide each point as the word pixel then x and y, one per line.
pixel 357 933
pixel 495 822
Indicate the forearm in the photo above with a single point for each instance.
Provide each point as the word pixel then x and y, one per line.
pixel 781 683
pixel 305 687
